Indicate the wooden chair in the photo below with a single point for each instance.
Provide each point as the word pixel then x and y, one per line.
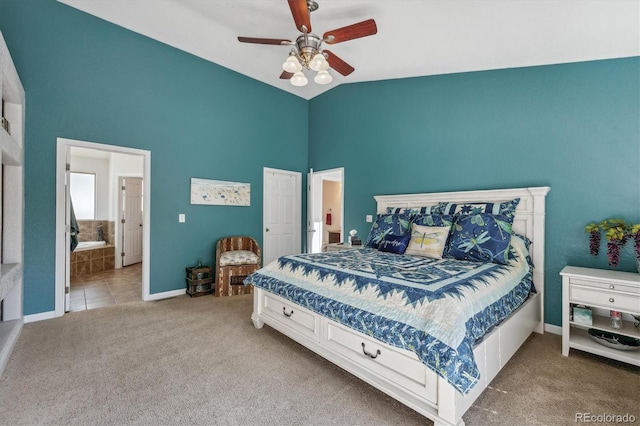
pixel 236 258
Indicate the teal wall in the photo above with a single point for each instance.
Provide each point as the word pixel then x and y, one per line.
pixel 90 80
pixel 573 127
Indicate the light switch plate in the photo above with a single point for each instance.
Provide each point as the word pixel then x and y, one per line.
pixel 182 218
pixel 369 218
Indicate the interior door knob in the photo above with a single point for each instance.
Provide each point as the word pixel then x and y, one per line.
pixel 267 229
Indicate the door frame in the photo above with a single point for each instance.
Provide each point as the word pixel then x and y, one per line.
pixel 315 188
pixel 62 241
pixel 298 203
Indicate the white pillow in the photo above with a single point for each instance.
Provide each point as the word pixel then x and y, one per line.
pixel 427 241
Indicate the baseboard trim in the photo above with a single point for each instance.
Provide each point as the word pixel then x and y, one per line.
pixel 39 317
pixel 553 329
pixel 165 295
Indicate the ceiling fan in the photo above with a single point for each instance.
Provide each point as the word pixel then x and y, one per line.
pixel 306 51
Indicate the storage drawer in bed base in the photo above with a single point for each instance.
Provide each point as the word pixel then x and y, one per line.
pixel 397 372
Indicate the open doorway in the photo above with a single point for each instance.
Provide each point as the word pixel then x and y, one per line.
pixel 325 209
pixel 90 176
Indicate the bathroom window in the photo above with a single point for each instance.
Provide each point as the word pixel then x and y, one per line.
pixel 82 187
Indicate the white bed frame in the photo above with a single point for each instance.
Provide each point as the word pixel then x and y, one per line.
pixel 403 377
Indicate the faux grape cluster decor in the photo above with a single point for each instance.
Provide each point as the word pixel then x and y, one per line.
pixel 617 232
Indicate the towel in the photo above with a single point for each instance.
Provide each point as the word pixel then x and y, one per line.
pixel 74 228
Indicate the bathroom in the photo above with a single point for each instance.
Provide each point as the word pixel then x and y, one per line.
pixel 89 189
pixel 96 249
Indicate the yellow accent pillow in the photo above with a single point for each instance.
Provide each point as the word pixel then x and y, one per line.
pixel 427 241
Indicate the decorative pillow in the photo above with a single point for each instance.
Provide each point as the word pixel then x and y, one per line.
pixel 238 257
pixel 481 237
pixel 434 220
pixel 507 209
pixel 387 224
pixel 394 243
pixel 414 211
pixel 427 241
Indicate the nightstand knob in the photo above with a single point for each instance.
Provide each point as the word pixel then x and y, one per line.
pixel 611 300
pixel 612 286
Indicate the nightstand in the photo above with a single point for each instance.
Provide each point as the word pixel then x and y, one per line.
pixel 602 291
pixel 341 246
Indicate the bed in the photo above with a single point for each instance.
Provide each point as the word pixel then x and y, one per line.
pixel 431 333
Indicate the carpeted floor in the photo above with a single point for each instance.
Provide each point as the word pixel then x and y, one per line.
pixel 189 361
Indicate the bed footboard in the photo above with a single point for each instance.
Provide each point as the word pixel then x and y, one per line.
pixel 397 372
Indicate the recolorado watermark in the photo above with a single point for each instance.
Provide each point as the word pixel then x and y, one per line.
pixel 605 418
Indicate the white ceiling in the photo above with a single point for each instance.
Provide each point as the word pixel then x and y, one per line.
pixel 415 37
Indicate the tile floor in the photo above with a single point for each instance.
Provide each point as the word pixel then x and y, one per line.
pixel 113 287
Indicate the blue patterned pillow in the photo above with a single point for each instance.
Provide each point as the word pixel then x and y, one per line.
pixel 415 211
pixel 388 224
pixel 481 237
pixel 506 209
pixel 394 243
pixel 433 220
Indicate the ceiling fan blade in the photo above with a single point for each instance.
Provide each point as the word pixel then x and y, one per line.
pixel 300 13
pixel 276 41
pixel 350 32
pixel 286 75
pixel 338 64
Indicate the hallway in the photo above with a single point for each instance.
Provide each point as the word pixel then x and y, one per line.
pixel 112 287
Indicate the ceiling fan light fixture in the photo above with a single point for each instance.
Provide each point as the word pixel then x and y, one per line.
pixel 318 63
pixel 292 65
pixel 298 79
pixel 323 77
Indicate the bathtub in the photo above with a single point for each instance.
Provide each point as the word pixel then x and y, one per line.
pixel 89 245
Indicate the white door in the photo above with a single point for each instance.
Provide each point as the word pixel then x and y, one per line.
pixel 282 215
pixel 132 225
pixel 314 229
pixel 67 232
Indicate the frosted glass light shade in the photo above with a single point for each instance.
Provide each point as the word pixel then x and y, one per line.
pixel 298 79
pixel 323 77
pixel 319 63
pixel 292 65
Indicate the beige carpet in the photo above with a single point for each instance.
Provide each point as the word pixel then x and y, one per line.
pixel 200 361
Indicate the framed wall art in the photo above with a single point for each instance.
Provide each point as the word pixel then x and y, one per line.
pixel 220 192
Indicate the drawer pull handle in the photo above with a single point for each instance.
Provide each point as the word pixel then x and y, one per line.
pixel 369 354
pixel 611 299
pixel 612 286
pixel 284 312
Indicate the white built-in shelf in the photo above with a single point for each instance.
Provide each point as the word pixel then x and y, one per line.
pixel 11 151
pixel 10 276
pixel 12 196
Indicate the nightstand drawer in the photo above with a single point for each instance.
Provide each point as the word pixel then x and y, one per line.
pixel 608 286
pixel 619 301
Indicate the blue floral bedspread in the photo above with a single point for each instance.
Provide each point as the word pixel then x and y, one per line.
pixel 435 308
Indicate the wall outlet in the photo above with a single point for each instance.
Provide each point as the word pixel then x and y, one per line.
pixel 182 218
pixel 369 218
